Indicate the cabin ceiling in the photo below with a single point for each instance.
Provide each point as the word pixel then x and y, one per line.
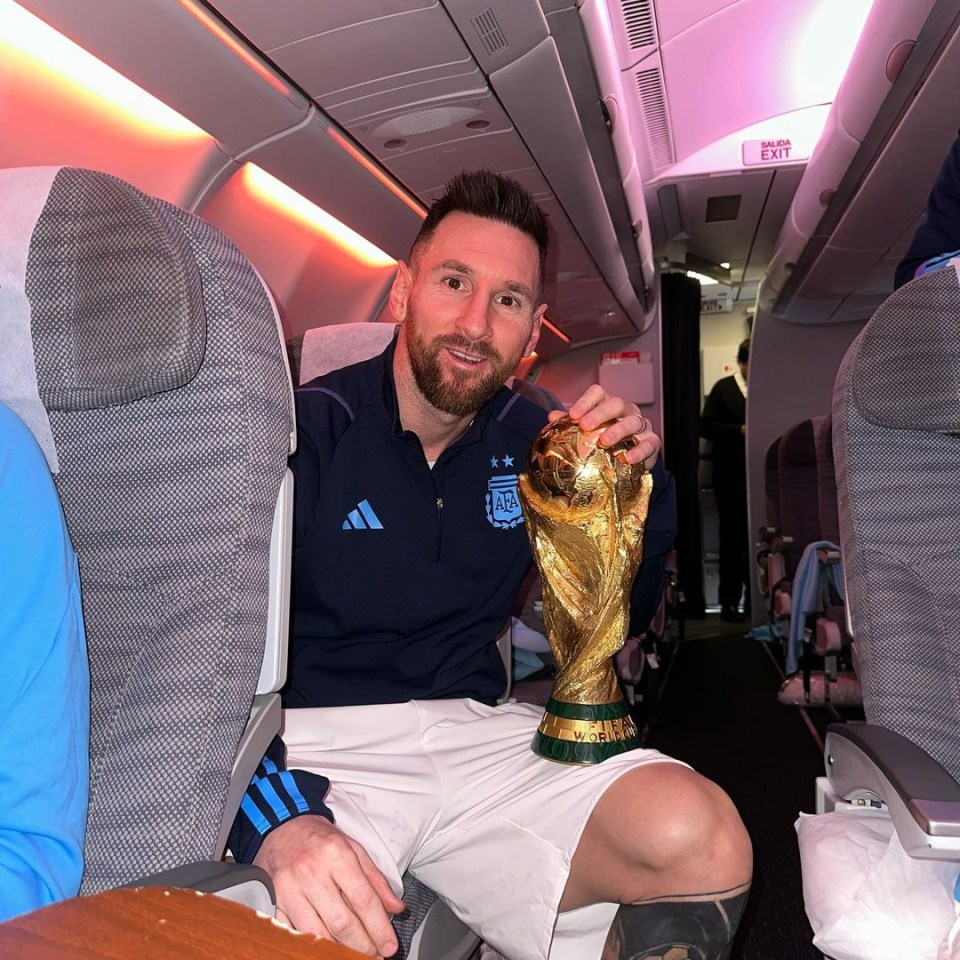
pixel 627 120
pixel 430 88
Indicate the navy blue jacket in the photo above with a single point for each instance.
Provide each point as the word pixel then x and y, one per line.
pixel 939 232
pixel 404 575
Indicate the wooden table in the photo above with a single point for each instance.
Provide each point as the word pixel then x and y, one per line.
pixel 155 923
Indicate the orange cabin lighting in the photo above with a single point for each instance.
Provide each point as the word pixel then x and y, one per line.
pixel 50 53
pixel 235 46
pixel 268 189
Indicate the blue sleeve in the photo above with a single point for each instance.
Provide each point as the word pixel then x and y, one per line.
pixel 939 231
pixel 275 795
pixel 44 696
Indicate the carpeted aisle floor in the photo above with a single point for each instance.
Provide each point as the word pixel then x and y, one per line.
pixel 718 712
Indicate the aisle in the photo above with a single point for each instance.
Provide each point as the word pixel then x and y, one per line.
pixel 718 712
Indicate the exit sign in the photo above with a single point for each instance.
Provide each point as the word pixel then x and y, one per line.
pixel 774 150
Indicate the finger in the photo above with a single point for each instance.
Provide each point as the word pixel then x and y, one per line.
pixel 610 409
pixel 633 425
pixel 341 921
pixel 591 397
pixel 372 899
pixel 281 917
pixel 554 415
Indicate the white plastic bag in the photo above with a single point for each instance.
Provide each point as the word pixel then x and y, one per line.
pixel 866 899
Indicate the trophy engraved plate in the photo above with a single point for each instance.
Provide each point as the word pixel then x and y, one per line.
pixel 585 510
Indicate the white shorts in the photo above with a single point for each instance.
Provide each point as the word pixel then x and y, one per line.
pixel 451 791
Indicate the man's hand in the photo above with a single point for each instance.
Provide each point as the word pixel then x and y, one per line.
pixel 595 408
pixel 327 884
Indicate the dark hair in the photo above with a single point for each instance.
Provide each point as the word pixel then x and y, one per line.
pixel 743 352
pixel 483 193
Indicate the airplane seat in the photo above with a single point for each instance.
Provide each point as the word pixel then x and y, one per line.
pixel 428 930
pixel 144 352
pixel 770 561
pixel 799 503
pixel 817 626
pixel 896 422
pixel 830 635
pixel 799 521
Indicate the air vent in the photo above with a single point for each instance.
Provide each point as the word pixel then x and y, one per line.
pixel 488 29
pixel 721 209
pixel 639 22
pixel 656 117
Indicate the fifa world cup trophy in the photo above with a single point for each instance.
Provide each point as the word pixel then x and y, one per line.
pixel 585 510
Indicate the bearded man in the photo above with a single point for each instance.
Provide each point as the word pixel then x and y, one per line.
pixel 409 552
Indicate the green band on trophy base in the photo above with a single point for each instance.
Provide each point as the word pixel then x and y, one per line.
pixel 585 733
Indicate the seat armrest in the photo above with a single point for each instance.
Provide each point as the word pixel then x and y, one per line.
pixel 867 762
pixel 238 882
pixel 261 728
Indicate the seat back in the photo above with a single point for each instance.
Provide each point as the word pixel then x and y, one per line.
pixel 826 479
pixel 150 365
pixel 799 507
pixel 771 483
pixel 896 422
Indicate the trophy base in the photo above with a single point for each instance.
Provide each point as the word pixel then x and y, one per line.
pixel 585 733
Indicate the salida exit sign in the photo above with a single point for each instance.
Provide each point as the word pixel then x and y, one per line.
pixel 774 150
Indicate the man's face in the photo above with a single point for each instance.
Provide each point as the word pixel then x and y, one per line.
pixel 469 311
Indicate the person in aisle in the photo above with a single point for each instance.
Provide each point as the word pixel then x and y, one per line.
pixel 936 240
pixel 723 422
pixel 410 548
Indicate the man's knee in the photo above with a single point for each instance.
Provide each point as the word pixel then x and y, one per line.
pixel 675 831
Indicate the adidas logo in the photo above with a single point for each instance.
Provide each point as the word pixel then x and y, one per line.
pixel 362 518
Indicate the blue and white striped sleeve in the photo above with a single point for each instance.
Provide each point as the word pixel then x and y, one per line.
pixel 275 795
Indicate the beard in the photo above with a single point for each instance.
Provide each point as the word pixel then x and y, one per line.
pixel 458 393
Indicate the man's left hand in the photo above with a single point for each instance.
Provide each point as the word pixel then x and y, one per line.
pixel 595 408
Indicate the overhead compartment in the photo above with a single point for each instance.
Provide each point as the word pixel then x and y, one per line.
pixel 834 259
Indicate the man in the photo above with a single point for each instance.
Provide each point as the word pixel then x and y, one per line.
pixel 937 238
pixel 410 551
pixel 724 422
pixel 44 696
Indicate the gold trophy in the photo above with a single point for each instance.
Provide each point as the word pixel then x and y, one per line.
pixel 585 510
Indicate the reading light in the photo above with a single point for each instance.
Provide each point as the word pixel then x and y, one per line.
pixel 706 271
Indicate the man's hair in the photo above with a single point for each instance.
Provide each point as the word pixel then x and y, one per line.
pixel 483 193
pixel 743 352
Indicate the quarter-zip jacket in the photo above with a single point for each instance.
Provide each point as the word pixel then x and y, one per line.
pixel 404 575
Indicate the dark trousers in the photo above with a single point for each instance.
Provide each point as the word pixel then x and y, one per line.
pixel 734 546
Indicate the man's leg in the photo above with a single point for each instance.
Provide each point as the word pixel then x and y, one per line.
pixel 732 534
pixel 668 845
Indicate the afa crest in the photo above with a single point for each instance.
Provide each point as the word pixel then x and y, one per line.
pixel 503 502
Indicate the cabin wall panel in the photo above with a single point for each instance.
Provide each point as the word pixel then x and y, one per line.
pixel 49 122
pixel 314 280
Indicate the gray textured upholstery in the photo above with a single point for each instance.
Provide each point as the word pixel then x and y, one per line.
pixel 161 365
pixel 896 423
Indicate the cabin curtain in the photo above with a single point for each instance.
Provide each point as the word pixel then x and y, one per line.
pixel 680 326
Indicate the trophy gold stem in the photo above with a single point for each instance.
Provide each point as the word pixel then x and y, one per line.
pixel 585 509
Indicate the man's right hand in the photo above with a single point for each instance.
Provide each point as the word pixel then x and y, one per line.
pixel 327 884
